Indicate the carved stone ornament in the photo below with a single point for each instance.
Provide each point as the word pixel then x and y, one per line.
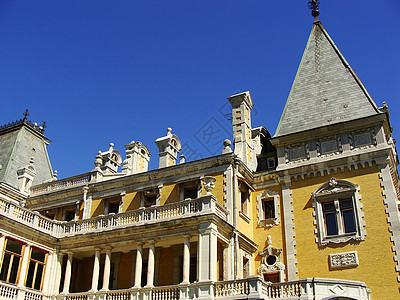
pixel 343 260
pixel 209 183
pixel 270 261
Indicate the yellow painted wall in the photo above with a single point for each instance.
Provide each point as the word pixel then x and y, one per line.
pixel 131 201
pixel 169 194
pixel 376 266
pixel 165 276
pixel 97 208
pixel 218 191
pixel 260 236
pixel 124 271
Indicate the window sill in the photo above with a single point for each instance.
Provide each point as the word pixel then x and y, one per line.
pixel 244 217
pixel 268 222
pixel 343 238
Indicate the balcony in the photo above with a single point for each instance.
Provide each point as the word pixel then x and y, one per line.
pixel 204 205
pixel 253 287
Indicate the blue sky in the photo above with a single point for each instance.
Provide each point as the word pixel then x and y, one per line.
pixel 116 71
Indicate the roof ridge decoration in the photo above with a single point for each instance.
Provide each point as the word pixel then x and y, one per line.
pixel 24 120
pixel 325 90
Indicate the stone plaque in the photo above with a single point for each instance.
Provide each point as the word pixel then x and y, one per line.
pixel 343 260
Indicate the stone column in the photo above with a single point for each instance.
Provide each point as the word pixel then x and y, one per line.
pixel 77 209
pixel 57 280
pixel 186 260
pixel 121 202
pixel 96 270
pixel 207 254
pixel 107 268
pixel 150 265
pixel 68 271
pixel 24 266
pixel 138 267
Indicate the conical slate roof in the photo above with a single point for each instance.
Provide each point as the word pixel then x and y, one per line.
pixel 325 91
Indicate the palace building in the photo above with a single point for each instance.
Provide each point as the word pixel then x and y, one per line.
pixel 308 213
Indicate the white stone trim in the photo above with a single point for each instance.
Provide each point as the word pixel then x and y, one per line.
pixel 288 217
pixel 267 222
pixel 392 211
pixel 228 192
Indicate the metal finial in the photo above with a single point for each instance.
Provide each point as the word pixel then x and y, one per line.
pixel 313 5
pixel 25 114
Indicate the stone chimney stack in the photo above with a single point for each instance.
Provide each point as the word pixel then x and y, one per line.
pixel 169 147
pixel 242 131
pixel 137 158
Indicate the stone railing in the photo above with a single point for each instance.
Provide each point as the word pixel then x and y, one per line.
pixel 284 290
pixel 203 205
pixel 8 291
pixel 253 287
pixel 30 218
pixel 231 288
pixel 60 184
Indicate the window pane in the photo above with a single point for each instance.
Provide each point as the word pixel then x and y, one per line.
pixel 348 220
pixel 14 270
pixel 331 224
pixel 114 207
pixel 329 207
pixel 346 204
pixel 13 246
pixel 269 209
pixel 38 280
pixel 190 193
pixel 38 255
pixel 31 272
pixel 4 267
pixel 150 201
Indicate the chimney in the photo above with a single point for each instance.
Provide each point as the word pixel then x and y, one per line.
pixel 242 131
pixel 169 147
pixel 137 158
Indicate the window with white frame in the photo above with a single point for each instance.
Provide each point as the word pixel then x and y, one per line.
pixel 338 212
pixel 268 208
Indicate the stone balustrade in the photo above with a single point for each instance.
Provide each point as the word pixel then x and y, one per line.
pixel 8 291
pixel 60 184
pixel 253 287
pixel 204 205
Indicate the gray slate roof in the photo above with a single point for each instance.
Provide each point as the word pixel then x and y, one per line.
pixel 325 91
pixel 16 149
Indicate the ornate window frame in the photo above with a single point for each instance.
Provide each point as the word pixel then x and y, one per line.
pixel 262 222
pixel 334 190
